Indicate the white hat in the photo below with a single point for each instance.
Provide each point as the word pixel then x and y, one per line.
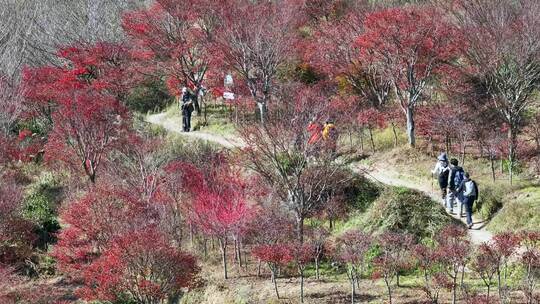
pixel 184 89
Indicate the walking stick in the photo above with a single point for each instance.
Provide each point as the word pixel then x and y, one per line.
pixel 431 181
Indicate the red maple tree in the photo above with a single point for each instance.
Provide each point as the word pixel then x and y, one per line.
pixel 408 45
pixel 82 100
pixel 221 209
pixel 171 39
pixel 274 256
pixel 352 247
pixel 142 266
pixel 94 220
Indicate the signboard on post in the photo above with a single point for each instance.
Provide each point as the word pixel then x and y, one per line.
pixel 228 95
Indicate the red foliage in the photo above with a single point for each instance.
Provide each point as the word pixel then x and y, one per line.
pixel 141 265
pixel 428 260
pixel 372 118
pixel 275 255
pixel 409 46
pixel 171 39
pixel 16 233
pixel 455 246
pixel 221 208
pixel 255 45
pixel 530 259
pixel 353 246
pixel 82 101
pixel 394 256
pixel 176 192
pixel 92 222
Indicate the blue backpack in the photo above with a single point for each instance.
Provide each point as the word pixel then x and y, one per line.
pixel 459 176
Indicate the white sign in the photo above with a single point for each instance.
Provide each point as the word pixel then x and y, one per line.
pixel 228 82
pixel 228 95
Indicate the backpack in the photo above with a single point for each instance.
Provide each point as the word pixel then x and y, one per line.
pixel 476 191
pixel 443 177
pixel 459 176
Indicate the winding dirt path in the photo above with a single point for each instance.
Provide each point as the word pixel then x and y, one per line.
pixel 173 126
pixel 377 172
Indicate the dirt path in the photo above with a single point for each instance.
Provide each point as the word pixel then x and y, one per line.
pixel 376 173
pixel 173 126
pixel 386 176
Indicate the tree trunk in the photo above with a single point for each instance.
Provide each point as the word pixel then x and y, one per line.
pixel 411 126
pixel 447 142
pixel 259 268
pixel 274 279
pixel 191 234
pixel 492 165
pixel 302 286
pixel 395 135
pixel 371 140
pixel 353 290
pixel 397 279
pixel 454 287
pixel 262 111
pixel 362 140
pixel 300 228
pixel 511 152
pixel 389 290
pixel 317 273
pixel 223 244
pixel 463 147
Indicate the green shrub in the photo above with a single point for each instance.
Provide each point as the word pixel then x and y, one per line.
pixel 151 96
pixel 40 206
pixel 405 210
pixel 489 202
pixel 360 193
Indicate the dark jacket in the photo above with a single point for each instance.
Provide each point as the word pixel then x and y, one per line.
pixel 187 103
pixel 453 171
pixel 443 178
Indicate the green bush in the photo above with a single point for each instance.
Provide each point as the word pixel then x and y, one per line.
pixel 489 202
pixel 360 193
pixel 40 206
pixel 405 210
pixel 151 96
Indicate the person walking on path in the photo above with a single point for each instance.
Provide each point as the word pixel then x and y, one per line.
pixel 187 109
pixel 329 134
pixel 455 178
pixel 441 170
pixel 470 195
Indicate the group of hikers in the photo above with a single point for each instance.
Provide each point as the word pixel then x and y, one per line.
pixel 456 186
pixel 327 132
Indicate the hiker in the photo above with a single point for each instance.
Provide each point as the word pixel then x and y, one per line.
pixel 470 195
pixel 315 132
pixel 441 170
pixel 455 178
pixel 187 109
pixel 329 134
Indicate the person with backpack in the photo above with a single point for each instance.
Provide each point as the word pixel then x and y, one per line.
pixel 470 195
pixel 455 178
pixel 187 109
pixel 441 170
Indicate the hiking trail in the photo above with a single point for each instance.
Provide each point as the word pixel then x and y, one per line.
pixel 375 172
pixel 382 174
pixel 172 125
